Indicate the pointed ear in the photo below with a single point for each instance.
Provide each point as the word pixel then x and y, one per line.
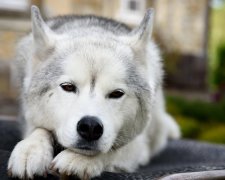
pixel 43 36
pixel 140 35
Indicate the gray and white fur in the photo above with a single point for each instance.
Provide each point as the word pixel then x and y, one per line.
pixel 112 73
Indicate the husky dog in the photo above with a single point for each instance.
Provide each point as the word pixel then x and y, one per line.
pixel 95 86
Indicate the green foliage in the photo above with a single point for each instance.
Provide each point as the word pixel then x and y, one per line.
pixel 214 134
pixel 219 72
pixel 190 128
pixel 216 36
pixel 202 111
pixel 199 120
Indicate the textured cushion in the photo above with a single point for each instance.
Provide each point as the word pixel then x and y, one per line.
pixel 180 156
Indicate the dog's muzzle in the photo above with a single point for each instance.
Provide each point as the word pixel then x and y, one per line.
pixel 90 128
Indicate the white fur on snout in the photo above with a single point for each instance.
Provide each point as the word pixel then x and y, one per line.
pixel 31 156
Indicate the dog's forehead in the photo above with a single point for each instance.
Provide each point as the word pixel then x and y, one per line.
pixel 98 60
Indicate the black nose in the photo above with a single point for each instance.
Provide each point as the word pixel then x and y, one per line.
pixel 90 128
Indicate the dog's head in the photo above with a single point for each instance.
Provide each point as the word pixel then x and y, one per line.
pixel 89 88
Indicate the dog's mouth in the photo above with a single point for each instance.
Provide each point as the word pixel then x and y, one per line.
pixel 85 151
pixel 86 148
pixel 81 147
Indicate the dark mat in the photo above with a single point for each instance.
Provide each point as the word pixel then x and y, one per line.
pixel 9 134
pixel 179 156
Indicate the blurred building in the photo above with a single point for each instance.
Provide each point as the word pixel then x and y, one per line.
pixel 181 28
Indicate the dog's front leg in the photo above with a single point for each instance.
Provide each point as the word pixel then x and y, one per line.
pixel 70 163
pixel 32 156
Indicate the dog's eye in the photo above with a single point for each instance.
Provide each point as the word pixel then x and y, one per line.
pixel 118 93
pixel 68 87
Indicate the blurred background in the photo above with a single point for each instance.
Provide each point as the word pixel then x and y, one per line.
pixel 190 33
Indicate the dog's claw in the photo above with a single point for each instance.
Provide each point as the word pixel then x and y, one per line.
pixel 86 176
pixel 9 172
pixel 56 170
pixel 27 177
pixel 53 173
pixel 51 167
pixel 68 173
pixel 45 174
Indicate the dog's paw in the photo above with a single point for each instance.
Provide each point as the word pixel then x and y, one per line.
pixel 70 163
pixel 30 157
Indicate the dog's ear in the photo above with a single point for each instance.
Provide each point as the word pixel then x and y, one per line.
pixel 43 36
pixel 140 35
